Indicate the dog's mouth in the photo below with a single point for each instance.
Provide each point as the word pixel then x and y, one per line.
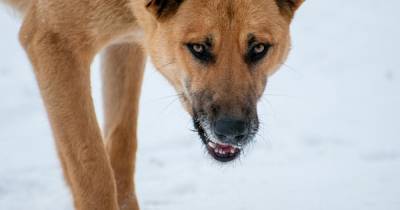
pixel 219 151
pixel 223 152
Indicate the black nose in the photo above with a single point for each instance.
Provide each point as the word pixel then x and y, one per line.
pixel 230 130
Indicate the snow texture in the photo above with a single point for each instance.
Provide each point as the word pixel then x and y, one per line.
pixel 330 136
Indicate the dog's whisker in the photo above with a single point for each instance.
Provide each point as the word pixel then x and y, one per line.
pixel 169 104
pixel 290 68
pixel 167 64
pixel 276 95
pixel 179 95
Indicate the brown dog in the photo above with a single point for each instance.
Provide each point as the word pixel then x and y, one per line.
pixel 217 54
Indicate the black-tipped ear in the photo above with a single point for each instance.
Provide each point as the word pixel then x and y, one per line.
pixel 288 7
pixel 163 8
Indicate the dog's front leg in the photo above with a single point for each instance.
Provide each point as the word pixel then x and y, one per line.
pixel 123 66
pixel 62 71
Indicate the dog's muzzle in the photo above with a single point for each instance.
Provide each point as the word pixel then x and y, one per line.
pixel 226 136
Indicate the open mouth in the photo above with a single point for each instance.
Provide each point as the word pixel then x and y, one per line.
pixel 222 152
pixel 219 151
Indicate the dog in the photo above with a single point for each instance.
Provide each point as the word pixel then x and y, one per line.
pixel 217 54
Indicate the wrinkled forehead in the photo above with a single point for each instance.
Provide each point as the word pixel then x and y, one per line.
pixel 198 18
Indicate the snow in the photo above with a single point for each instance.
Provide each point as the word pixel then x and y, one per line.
pixel 330 137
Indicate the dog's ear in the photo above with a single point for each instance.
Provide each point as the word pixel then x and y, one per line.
pixel 288 7
pixel 163 9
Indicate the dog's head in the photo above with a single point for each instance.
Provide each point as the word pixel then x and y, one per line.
pixel 218 55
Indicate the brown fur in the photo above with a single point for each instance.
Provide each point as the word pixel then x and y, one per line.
pixel 62 37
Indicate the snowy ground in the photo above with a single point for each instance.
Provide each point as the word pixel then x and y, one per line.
pixel 330 138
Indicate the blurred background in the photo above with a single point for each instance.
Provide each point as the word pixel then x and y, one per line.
pixel 330 136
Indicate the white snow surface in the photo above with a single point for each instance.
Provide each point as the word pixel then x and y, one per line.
pixel 330 136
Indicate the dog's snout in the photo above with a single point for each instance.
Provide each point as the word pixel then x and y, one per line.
pixel 230 130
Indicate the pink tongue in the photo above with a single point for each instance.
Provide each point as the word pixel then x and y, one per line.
pixel 225 148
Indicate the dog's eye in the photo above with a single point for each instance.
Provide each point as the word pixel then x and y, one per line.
pixel 198 48
pixel 201 52
pixel 260 48
pixel 257 52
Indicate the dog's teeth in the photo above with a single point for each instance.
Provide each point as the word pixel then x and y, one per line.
pixel 232 150
pixel 212 144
